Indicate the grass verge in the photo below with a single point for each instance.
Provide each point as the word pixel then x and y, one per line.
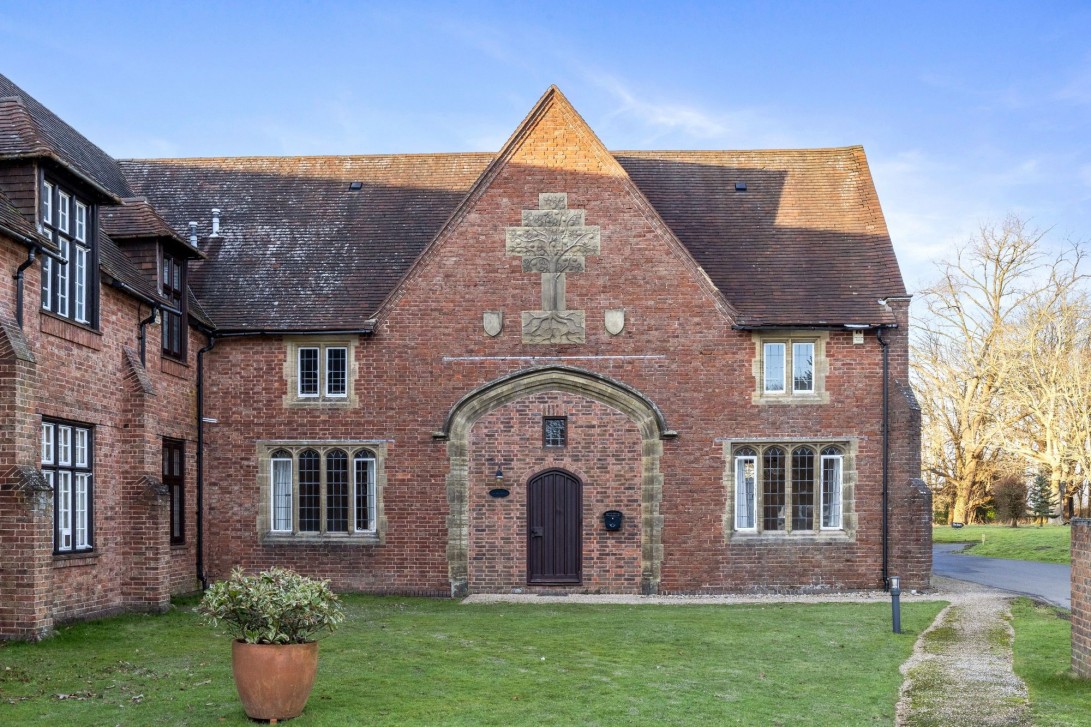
pixel 1046 544
pixel 1043 656
pixel 411 661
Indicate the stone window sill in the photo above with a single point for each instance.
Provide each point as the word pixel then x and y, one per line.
pixel 320 539
pixel 795 538
pixel 72 560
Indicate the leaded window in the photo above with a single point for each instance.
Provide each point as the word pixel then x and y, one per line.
pixel 172 281
pixel 788 367
pixel 322 372
pixel 555 431
pixel 174 455
pixel 782 482
pixel 323 490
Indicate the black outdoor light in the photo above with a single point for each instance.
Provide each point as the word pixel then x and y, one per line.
pixel 896 602
pixel 499 491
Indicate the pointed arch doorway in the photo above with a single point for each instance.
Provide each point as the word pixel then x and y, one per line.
pixel 554 528
pixel 639 409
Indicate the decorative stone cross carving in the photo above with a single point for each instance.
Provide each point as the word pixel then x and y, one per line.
pixel 553 241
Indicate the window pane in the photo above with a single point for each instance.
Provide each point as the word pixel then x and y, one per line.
pixel 831 490
pixel 282 494
pixel 803 489
pixel 64 445
pixel 337 492
pixel 746 470
pixel 63 201
pixel 81 222
pixel 81 447
pixel 64 510
pixel 802 367
pixel 47 283
pixel 47 203
pixel 47 443
pixel 773 498
pixel 62 281
pixel 364 481
pixel 336 371
pixel 81 514
pixel 177 507
pixel 555 431
pixel 774 367
pixel 309 495
pixel 81 284
pixel 308 372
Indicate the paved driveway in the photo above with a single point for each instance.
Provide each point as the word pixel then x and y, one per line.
pixel 1048 581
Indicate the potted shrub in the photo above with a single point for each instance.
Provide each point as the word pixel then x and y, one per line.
pixel 274 617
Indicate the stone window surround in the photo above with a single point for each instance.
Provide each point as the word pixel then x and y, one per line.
pixel 292 399
pixel 849 447
pixel 821 367
pixel 265 449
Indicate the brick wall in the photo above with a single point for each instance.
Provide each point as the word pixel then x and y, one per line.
pixel 678 349
pixel 1081 597
pixel 84 375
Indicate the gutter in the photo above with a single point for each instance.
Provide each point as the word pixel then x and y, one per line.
pixel 35 248
pixel 367 330
pixel 142 337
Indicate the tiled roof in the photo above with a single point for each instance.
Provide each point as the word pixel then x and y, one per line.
pixel 12 221
pixel 298 249
pixel 135 218
pixel 28 129
pixel 118 266
pixel 805 244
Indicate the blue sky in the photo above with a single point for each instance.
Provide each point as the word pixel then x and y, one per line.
pixel 967 111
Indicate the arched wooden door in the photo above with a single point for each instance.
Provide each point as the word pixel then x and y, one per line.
pixel 554 519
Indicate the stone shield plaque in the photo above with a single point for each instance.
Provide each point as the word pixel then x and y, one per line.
pixel 493 322
pixel 615 321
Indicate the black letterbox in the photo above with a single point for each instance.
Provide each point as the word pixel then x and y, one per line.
pixel 612 519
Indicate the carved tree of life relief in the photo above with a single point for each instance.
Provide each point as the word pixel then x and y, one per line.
pixel 553 241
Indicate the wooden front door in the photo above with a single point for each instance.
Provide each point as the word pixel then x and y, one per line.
pixel 554 517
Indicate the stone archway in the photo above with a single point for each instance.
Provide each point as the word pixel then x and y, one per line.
pixel 640 410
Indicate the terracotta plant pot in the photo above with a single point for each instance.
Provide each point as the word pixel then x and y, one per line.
pixel 274 680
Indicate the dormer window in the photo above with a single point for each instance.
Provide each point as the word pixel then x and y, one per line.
pixel 69 291
pixel 172 282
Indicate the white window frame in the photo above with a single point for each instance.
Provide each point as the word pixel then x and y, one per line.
pixel 80 303
pixel 288 461
pixel 822 451
pixel 795 359
pixel 765 369
pixel 327 350
pixel 67 458
pixel 367 457
pixel 47 202
pixel 62 280
pixel 839 459
pixel 317 372
pixel 81 221
pixel 741 461
pixel 64 208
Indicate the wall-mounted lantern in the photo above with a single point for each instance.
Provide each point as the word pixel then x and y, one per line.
pixel 499 490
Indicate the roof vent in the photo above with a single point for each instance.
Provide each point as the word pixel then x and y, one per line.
pixel 193 234
pixel 740 186
pixel 215 222
pixel 356 186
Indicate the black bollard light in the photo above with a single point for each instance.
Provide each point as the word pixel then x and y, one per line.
pixel 896 602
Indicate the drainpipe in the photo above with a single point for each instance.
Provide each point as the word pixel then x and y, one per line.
pixel 886 457
pixel 201 460
pixel 19 284
pixel 142 336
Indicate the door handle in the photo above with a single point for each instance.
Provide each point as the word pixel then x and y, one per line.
pixel 537 531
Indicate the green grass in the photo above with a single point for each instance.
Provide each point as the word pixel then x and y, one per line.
pixel 1047 544
pixel 1043 653
pixel 406 661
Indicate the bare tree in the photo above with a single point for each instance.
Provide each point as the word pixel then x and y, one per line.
pixel 959 357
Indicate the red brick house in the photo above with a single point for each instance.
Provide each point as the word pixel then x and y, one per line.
pixel 554 368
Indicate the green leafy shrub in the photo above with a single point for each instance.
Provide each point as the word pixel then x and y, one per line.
pixel 277 606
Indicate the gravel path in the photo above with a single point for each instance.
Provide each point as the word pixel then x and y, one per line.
pixel 961 669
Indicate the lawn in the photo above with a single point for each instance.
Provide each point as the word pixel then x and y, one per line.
pixel 403 661
pixel 1047 544
pixel 1043 653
